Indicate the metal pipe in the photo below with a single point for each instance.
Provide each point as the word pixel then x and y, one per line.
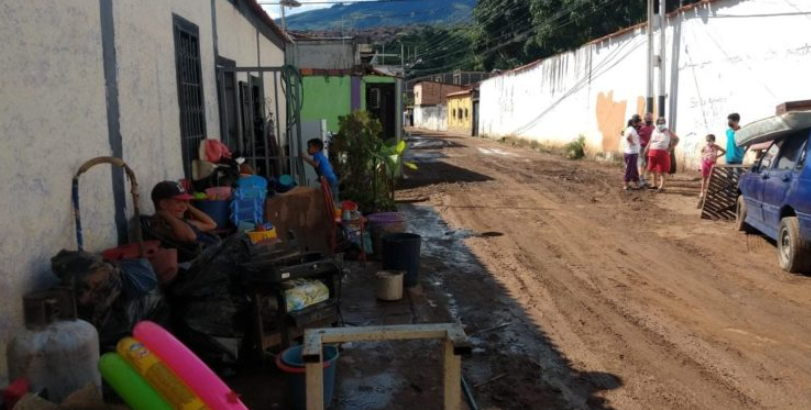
pixel 649 85
pixel 469 396
pixel 662 52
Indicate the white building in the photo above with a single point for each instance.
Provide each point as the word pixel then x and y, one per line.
pixel 86 78
pixel 721 56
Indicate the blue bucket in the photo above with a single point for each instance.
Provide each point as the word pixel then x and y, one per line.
pixel 292 364
pixel 219 211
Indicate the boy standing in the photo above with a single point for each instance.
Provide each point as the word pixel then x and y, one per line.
pixel 734 153
pixel 315 147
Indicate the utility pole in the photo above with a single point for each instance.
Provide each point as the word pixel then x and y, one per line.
pixel 402 58
pixel 284 22
pixel 662 52
pixel 649 85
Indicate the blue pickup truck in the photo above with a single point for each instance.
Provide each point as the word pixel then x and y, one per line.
pixel 775 195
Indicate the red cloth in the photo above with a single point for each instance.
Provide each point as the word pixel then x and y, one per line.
pixel 706 168
pixel 659 161
pixel 645 133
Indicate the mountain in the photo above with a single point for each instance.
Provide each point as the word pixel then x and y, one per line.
pixel 374 14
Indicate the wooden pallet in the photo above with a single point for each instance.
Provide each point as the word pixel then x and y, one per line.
pixel 721 200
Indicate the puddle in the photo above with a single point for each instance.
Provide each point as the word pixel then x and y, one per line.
pixel 442 243
pixel 370 392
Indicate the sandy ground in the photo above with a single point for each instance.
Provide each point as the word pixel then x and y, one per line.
pixel 579 295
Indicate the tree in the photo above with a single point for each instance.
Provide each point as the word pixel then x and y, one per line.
pixel 503 37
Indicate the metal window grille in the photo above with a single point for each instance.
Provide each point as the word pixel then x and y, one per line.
pixel 189 90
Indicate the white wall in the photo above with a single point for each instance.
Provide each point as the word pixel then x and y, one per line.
pixel 53 117
pixel 743 56
pixel 431 117
pixel 238 41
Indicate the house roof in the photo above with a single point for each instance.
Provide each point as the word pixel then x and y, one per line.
pixel 460 93
pixel 264 18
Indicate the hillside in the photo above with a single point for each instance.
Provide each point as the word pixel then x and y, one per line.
pixel 373 14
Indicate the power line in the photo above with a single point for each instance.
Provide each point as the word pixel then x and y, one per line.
pixel 520 36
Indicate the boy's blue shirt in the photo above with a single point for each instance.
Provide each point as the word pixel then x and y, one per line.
pixel 324 167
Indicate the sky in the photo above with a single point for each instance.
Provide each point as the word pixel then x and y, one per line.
pixel 275 10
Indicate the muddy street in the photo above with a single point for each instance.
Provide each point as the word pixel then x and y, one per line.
pixel 580 295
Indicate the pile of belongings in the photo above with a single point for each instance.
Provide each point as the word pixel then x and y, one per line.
pixel 113 297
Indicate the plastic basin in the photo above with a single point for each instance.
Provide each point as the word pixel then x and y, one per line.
pixel 290 362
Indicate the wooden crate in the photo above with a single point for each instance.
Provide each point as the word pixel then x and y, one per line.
pixel 721 200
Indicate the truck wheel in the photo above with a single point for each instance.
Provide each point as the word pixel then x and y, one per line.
pixel 793 250
pixel 740 217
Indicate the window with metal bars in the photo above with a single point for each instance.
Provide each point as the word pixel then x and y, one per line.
pixel 189 89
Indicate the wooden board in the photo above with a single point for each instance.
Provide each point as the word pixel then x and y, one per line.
pixel 455 344
pixel 721 200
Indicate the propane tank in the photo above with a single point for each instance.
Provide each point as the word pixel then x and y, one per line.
pixel 56 353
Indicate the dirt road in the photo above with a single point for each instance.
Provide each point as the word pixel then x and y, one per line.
pixel 581 295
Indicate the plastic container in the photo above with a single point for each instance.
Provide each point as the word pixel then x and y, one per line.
pixel 158 375
pixel 219 211
pixel 262 236
pixel 188 367
pixel 55 351
pixel 133 389
pixel 389 285
pixel 381 224
pixel 291 363
pixel 285 183
pixel 220 193
pixel 401 252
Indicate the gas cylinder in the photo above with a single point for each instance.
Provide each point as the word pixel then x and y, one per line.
pixel 56 352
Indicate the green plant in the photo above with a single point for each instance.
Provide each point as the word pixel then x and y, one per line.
pixel 388 160
pixel 576 149
pixel 367 165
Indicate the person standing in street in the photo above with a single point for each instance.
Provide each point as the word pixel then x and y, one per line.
pixel 662 144
pixel 734 154
pixel 645 131
pixel 709 157
pixel 630 151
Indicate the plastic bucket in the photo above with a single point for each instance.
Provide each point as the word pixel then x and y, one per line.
pixel 389 285
pixel 401 252
pixel 291 363
pixel 219 211
pixel 381 224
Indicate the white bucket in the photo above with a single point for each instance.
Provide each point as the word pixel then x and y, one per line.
pixel 390 285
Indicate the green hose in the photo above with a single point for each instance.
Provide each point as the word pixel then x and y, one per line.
pixel 293 89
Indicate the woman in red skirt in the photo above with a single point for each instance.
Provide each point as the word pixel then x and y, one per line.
pixel 661 144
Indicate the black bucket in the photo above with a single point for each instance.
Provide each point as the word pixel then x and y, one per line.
pixel 401 252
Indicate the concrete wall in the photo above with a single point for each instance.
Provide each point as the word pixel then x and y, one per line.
pixel 743 56
pixel 326 55
pixel 54 116
pixel 432 117
pixel 430 93
pixel 248 47
pixel 462 121
pixel 330 97
pixel 327 98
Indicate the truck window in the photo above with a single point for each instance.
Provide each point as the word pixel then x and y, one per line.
pixel 790 152
pixel 768 158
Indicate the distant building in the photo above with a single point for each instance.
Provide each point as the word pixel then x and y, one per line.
pixel 461 112
pixel 337 81
pixel 428 93
pixel 457 77
pixel 333 53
